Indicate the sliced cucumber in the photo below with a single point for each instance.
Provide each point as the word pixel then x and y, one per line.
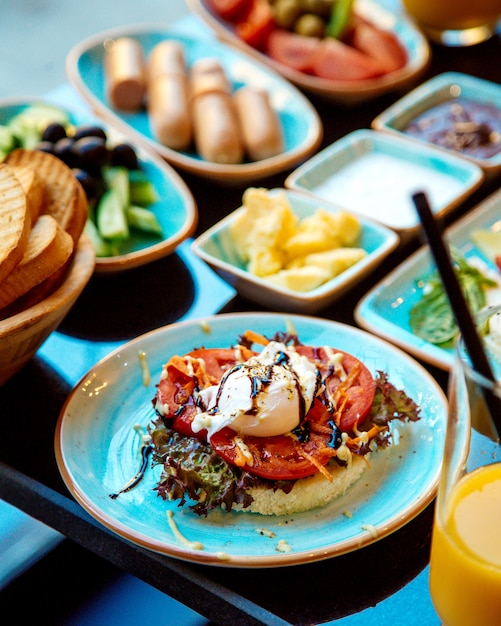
pixel 142 191
pixel 117 178
pixel 8 141
pixel 101 247
pixel 111 219
pixel 29 124
pixel 143 219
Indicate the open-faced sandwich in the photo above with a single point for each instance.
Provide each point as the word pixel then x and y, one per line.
pixel 278 431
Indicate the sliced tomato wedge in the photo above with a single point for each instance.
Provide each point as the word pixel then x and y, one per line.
pixel 357 394
pixel 292 50
pixel 230 10
pixel 382 45
pixel 257 24
pixel 336 60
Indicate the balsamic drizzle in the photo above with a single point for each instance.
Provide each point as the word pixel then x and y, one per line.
pixel 145 451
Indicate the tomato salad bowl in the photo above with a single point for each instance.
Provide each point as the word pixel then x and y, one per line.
pixel 290 54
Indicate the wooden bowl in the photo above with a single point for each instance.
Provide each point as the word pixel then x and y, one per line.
pixel 23 333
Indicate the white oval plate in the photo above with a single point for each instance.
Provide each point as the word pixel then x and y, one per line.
pixel 301 125
pixel 97 453
pixel 392 19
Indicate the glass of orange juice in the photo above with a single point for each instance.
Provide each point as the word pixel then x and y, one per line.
pixel 465 563
pixel 455 22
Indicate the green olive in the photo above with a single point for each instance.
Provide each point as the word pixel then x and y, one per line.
pixel 310 25
pixel 286 12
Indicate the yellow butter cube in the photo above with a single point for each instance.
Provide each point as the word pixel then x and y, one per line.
pixel 265 260
pixel 334 262
pixel 299 279
pixel 264 222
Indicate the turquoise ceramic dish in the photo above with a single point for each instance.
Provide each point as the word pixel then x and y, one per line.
pixel 375 174
pixel 385 309
pixel 97 453
pixel 301 126
pixel 175 210
pixel 445 87
pixel 216 248
pixel 385 14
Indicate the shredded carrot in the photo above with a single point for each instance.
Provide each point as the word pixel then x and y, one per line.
pixel 371 433
pixel 191 368
pixel 321 468
pixel 254 337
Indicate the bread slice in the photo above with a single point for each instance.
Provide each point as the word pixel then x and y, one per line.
pixel 33 188
pixel 64 198
pixel 49 248
pixel 308 493
pixel 14 221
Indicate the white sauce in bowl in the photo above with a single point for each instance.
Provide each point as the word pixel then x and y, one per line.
pixel 380 187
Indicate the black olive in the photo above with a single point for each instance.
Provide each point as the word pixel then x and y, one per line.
pixel 63 149
pixel 45 146
pixel 125 155
pixel 90 184
pixel 53 132
pixel 90 152
pixel 89 131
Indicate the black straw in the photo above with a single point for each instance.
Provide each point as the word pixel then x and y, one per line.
pixel 458 302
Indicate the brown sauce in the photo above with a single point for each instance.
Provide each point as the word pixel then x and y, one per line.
pixel 469 127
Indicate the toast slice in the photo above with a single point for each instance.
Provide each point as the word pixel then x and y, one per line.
pixel 49 248
pixel 64 198
pixel 15 221
pixel 33 188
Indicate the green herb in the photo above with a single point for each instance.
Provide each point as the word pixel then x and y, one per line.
pixel 191 469
pixel 340 18
pixel 432 317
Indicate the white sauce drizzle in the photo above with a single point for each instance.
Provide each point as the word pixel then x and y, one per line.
pixel 192 545
pixel 144 367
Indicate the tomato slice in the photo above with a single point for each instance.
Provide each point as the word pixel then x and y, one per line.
pixel 281 457
pixel 257 24
pixel 357 397
pixel 383 46
pixel 335 60
pixel 292 50
pixel 230 10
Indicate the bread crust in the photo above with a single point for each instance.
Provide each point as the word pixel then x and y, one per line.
pixel 63 197
pixel 15 221
pixel 308 493
pixel 48 249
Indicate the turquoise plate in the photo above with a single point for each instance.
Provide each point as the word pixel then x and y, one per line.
pixel 97 453
pixel 175 210
pixel 301 125
pixel 385 309
pixel 375 174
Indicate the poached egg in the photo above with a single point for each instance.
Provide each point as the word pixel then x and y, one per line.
pixel 264 396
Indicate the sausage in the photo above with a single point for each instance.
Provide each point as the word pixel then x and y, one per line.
pixel 125 74
pixel 259 123
pixel 168 96
pixel 216 129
